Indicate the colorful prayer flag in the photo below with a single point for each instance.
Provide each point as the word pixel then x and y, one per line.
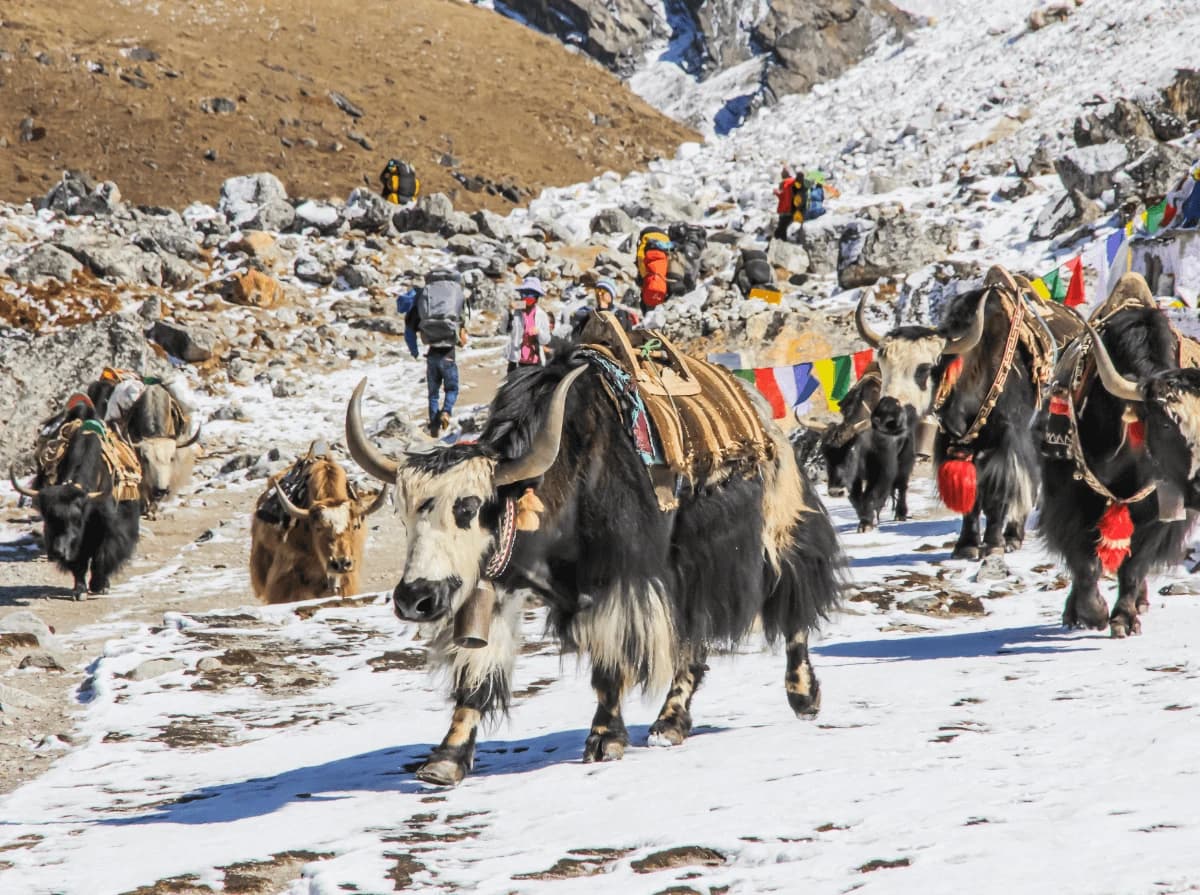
pixel 765 382
pixel 843 376
pixel 1075 294
pixel 826 374
pixel 1154 216
pixel 862 360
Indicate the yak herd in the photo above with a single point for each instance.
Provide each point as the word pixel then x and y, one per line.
pixel 1020 403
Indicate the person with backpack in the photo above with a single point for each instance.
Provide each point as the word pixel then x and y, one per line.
pixel 653 266
pixel 785 193
pixel 437 316
pixel 606 300
pixel 799 198
pixel 814 198
pixel 528 327
pixel 398 182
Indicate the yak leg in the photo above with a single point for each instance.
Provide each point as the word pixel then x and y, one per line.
pixel 1131 595
pixel 968 537
pixel 1014 535
pixel 1085 607
pixel 997 524
pixel 803 688
pixel 674 722
pixel 79 587
pixel 608 737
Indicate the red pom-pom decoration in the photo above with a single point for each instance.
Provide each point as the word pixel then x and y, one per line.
pixel 956 485
pixel 1116 532
pixel 1136 433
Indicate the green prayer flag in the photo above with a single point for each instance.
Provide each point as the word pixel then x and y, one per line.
pixel 1154 216
pixel 1055 285
pixel 843 376
pixel 748 375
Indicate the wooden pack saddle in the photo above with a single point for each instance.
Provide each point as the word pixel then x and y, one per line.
pixel 704 421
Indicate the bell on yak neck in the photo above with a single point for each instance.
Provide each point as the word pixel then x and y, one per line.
pixel 474 620
pixel 1170 502
pixel 927 429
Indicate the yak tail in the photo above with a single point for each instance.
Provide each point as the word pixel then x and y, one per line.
pixel 811 574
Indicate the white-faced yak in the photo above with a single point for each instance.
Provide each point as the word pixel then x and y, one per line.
pixel 644 592
pixel 1121 457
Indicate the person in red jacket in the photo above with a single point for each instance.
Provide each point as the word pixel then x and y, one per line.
pixel 785 193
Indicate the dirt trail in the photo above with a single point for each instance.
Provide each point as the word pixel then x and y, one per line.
pixel 120 89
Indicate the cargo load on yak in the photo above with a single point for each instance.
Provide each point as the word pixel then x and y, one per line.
pixel 123 464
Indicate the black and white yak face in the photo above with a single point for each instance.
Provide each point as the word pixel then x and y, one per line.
pixel 908 355
pixel 452 501
pixel 1170 407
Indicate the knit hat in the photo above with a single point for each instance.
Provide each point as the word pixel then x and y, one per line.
pixel 532 284
pixel 608 286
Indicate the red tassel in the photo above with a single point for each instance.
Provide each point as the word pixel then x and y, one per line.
pixel 1136 432
pixel 1116 532
pixel 956 485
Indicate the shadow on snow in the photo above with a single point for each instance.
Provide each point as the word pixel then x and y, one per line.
pixel 1031 639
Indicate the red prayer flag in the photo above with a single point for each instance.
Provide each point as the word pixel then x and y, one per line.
pixel 1075 294
pixel 764 379
pixel 862 360
pixel 1168 215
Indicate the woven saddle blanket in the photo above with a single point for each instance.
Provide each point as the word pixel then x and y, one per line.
pixel 686 416
pixel 119 457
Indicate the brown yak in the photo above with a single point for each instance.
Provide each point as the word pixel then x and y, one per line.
pixel 317 549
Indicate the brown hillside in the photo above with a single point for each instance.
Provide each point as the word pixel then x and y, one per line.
pixel 120 88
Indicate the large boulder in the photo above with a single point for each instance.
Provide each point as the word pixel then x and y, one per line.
pixel 168 233
pixel 110 256
pixel 256 202
pixel 1117 120
pixel 613 32
pixel 368 211
pixel 608 221
pixel 324 217
pixel 188 343
pixel 821 239
pixel 890 242
pixel 77 194
pixel 44 261
pixel 38 372
pixel 1091 169
pixel 1153 173
pixel 1064 212
pixel 788 256
pixel 492 225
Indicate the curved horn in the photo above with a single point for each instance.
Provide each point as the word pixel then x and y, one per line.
pixel 378 502
pixel 545 446
pixel 374 461
pixel 869 335
pixel 188 442
pixel 1116 384
pixel 971 337
pixel 291 508
pixel 21 489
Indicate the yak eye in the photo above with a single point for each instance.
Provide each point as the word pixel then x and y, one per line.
pixel 465 509
pixel 922 376
pixel 426 506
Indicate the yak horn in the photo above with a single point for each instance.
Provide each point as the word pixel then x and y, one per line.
pixel 869 335
pixel 1116 384
pixel 378 502
pixel 21 489
pixel 365 454
pixel 545 446
pixel 291 508
pixel 971 337
pixel 188 442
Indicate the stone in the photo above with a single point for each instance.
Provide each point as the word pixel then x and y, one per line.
pixel 314 269
pixel 218 105
pixel 434 213
pixel 254 289
pixel 890 242
pixel 1064 212
pixel 492 225
pixel 1112 121
pixel 188 343
pixel 44 262
pixel 791 257
pixel 1152 173
pixel 358 276
pixel 177 273
pixel 153 668
pixel 42 661
pixel 151 309
pixel 109 256
pixel 345 105
pixel 1091 169
pixel 256 202
pixel 611 220
pixel 209 663
pixel 166 233
pixel 368 211
pixel 76 193
pixel 255 243
pixel 821 239
pixel 325 217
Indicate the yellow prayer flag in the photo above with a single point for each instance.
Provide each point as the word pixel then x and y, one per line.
pixel 826 373
pixel 1041 289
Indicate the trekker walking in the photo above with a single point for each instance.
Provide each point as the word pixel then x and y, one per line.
pixel 785 193
pixel 437 316
pixel 528 327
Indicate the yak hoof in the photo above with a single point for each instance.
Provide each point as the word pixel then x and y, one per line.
pixel 966 551
pixel 442 772
pixel 605 747
pixel 1122 627
pixel 864 527
pixel 806 705
pixel 665 734
pixel 79 596
pixel 1012 545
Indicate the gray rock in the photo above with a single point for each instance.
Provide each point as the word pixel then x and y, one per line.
pixel 492 225
pixel 432 213
pixel 788 255
pixel 1117 120
pixel 237 462
pixel 614 32
pixel 209 663
pixel 325 217
pixel 890 242
pixel 256 202
pixel 44 261
pixel 1064 212
pixel 314 269
pixel 821 240
pixel 368 211
pixel 110 256
pixel 1153 173
pixel 153 668
pixel 188 343
pixel 611 220
pixel 218 105
pixel 358 276
pixel 42 661
pixel 345 105
pixel 166 234
pixel 1091 169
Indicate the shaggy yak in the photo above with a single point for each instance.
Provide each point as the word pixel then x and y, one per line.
pixel 166 456
pixel 315 549
pixel 1124 494
pixel 86 528
pixel 643 592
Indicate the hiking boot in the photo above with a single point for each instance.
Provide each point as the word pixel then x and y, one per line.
pixel 443 422
pixel 435 425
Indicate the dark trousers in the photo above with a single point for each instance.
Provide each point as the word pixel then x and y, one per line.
pixel 441 370
pixel 781 229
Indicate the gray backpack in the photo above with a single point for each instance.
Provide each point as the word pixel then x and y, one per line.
pixel 440 308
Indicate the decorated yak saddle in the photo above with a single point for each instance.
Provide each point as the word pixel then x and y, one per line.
pixel 119 457
pixel 690 421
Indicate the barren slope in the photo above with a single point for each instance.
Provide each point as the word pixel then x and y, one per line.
pixel 120 88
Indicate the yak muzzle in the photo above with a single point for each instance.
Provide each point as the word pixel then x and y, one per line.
pixel 423 600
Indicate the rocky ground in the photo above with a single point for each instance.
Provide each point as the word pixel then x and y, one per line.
pixel 169 99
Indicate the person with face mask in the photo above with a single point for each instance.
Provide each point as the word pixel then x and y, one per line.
pixel 528 327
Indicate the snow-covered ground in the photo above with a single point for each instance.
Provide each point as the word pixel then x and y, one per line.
pixel 983 751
